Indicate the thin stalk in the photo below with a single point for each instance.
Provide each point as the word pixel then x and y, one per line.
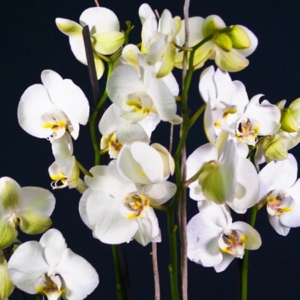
pixel 182 202
pixel 155 272
pixel 245 261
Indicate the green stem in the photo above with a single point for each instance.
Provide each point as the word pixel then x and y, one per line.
pixel 245 261
pixel 197 114
pixel 118 276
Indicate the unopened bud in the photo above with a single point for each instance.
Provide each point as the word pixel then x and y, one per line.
pixel 224 42
pixel 295 110
pixel 274 148
pixel 287 121
pixel 239 37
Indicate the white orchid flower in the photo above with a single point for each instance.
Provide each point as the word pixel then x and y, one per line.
pixel 118 210
pixel 225 177
pixel 105 34
pixel 281 193
pixel 158 38
pixel 145 164
pixel 64 171
pixel 49 267
pixel 27 207
pixel 134 88
pixel 228 48
pixel 117 131
pixel 51 108
pixel 229 109
pixel 214 240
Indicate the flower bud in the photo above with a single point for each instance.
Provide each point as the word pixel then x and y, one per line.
pixel 239 37
pixel 295 110
pixel 214 182
pixel 287 121
pixel 6 285
pixel 274 148
pixel 224 42
pixel 211 24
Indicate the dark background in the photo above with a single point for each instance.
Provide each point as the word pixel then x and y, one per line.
pixel 30 43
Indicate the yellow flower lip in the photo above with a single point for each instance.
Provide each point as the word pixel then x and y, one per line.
pixel 137 204
pixel 233 243
pixel 275 204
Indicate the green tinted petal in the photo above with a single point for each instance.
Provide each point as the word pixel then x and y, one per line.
pixel 167 62
pixel 33 223
pixel 99 65
pixel 287 121
pixel 69 28
pixel 230 61
pixel 8 234
pixel 108 42
pixel 211 24
pixel 6 285
pixel 9 193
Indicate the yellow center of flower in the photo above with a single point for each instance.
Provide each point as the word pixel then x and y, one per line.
pixel 247 132
pixel 274 204
pixel 61 177
pixel 137 205
pixel 113 144
pixel 233 243
pixel 138 107
pixel 56 125
pixel 52 286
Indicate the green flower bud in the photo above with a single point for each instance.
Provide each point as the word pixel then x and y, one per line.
pixel 215 182
pixel 6 285
pixel 239 37
pixel 274 149
pixel 224 42
pixel 295 110
pixel 288 122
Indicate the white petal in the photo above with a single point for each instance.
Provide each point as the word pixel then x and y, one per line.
pixel 110 120
pixel 160 193
pixel 253 240
pixel 145 12
pixel 278 226
pixel 278 175
pixel 144 233
pixel 79 276
pixel 162 98
pixel 82 208
pixel 99 19
pixel 27 265
pixel 54 244
pixel 109 225
pixel 227 259
pixel 37 200
pixel 202 237
pixel 247 189
pixel 33 104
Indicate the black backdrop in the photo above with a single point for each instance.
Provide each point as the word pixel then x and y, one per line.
pixel 30 43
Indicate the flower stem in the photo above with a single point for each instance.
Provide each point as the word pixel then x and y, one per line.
pixel 245 261
pixel 118 276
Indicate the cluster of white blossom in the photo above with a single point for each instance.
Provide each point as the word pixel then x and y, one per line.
pixel 118 200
